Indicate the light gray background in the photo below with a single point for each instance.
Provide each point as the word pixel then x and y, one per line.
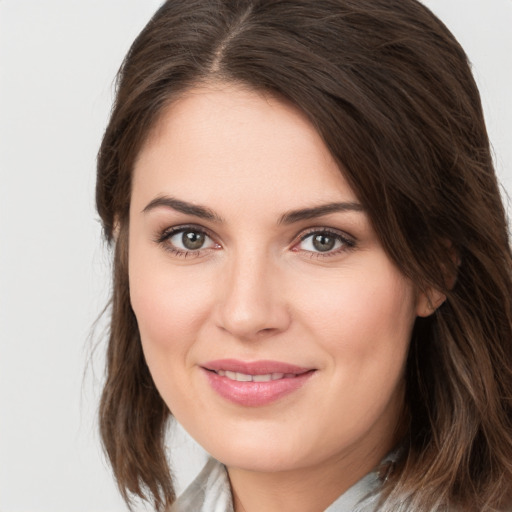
pixel 58 59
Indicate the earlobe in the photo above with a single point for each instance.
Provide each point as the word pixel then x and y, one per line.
pixel 428 302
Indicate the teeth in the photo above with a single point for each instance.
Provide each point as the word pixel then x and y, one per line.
pixel 262 378
pixel 241 377
pixel 244 377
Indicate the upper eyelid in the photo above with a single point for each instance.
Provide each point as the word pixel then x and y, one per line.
pixel 324 229
pixel 172 230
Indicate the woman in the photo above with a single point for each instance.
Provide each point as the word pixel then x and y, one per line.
pixel 312 268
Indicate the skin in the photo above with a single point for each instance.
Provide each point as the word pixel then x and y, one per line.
pixel 259 289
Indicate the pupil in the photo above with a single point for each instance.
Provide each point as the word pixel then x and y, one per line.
pixel 323 243
pixel 193 240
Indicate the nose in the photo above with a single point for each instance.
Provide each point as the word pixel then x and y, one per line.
pixel 252 302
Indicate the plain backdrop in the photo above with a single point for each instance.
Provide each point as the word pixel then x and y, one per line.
pixel 58 59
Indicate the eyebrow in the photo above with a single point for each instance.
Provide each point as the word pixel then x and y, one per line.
pixel 183 207
pixel 287 218
pixel 319 211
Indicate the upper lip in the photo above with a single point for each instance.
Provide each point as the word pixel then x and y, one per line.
pixel 254 367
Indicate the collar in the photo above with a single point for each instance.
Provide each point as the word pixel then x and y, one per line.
pixel 211 492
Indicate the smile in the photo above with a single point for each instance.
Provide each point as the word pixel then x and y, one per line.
pixel 245 377
pixel 253 384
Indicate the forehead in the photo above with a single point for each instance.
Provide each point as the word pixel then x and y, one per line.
pixel 227 142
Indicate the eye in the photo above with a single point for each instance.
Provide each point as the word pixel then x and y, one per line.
pixel 186 240
pixel 324 241
pixel 189 240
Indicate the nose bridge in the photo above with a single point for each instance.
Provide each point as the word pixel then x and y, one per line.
pixel 252 300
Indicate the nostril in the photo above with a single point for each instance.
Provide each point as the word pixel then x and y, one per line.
pixel 267 330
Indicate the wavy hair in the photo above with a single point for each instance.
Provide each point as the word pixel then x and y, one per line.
pixel 391 92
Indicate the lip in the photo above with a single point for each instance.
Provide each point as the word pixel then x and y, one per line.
pixel 254 394
pixel 254 367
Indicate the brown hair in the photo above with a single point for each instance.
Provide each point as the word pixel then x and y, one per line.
pixel 390 91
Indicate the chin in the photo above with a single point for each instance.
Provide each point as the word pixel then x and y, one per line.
pixel 255 449
pixel 270 454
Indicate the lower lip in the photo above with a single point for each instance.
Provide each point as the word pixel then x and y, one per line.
pixel 254 394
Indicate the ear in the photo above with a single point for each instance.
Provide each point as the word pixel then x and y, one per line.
pixel 116 228
pixel 428 302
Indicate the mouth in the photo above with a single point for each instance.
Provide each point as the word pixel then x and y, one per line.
pixel 245 377
pixel 255 383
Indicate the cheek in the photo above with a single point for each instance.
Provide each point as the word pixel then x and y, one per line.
pixel 363 319
pixel 169 303
pixel 363 323
pixel 170 307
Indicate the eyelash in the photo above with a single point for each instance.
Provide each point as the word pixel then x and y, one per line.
pixel 346 243
pixel 164 240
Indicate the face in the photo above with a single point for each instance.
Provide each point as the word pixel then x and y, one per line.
pixel 274 325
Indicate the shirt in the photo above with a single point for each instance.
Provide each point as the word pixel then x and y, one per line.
pixel 211 492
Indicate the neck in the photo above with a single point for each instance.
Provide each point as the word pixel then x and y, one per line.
pixel 300 490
